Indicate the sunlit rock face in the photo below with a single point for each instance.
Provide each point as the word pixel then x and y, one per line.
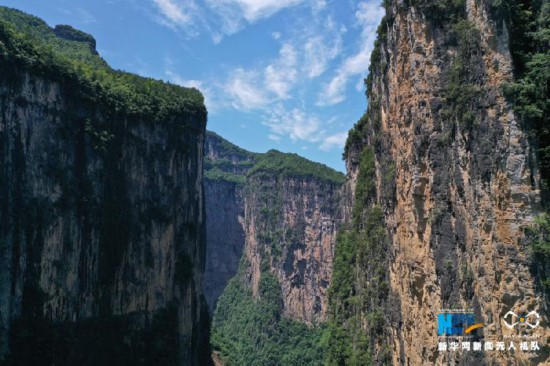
pixel 286 222
pixel 456 178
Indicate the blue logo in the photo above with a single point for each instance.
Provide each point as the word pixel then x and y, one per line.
pixel 456 324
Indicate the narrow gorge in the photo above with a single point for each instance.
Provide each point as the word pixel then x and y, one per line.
pixel 131 235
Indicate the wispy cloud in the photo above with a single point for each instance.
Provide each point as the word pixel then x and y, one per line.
pixel 336 140
pixel 221 18
pixel 300 125
pixel 244 91
pixel 281 75
pixel 252 10
pixel 321 47
pixel 295 124
pixel 368 16
pixel 282 91
pixel 180 15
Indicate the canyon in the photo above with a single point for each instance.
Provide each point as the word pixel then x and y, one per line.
pixel 131 235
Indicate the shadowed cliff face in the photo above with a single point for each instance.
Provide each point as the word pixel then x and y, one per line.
pixel 225 236
pixel 102 228
pixel 225 167
pixel 455 176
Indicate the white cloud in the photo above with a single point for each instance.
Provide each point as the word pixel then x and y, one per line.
pixel 244 90
pixel 337 140
pixel 254 10
pixel 276 35
pixel 222 18
pixel 319 5
pixel 318 54
pixel 230 16
pixel 259 87
pixel 275 138
pixel 301 126
pixel 368 16
pixel 320 48
pixel 281 75
pixel 296 124
pixel 177 13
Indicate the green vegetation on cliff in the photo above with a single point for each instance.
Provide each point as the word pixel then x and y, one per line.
pixel 359 291
pixel 529 23
pixel 248 331
pixel 234 164
pixel 36 62
pixel 68 56
pixel 292 165
pixel 540 237
pixel 225 161
pixel 253 330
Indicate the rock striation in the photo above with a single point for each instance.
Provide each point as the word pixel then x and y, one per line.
pixel 102 246
pixel 454 174
pixel 277 243
pixel 225 175
pixel 286 221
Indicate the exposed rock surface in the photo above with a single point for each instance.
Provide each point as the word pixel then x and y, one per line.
pixel 464 185
pixel 285 221
pixel 224 202
pixel 291 231
pixel 102 236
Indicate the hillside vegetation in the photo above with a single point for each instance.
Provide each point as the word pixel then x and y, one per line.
pixel 67 55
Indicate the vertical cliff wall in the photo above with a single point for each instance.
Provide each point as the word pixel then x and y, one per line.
pixel 443 183
pixel 287 209
pixel 290 226
pixel 225 177
pixel 102 216
pixel 284 218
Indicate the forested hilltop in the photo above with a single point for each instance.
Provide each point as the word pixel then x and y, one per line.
pixel 69 56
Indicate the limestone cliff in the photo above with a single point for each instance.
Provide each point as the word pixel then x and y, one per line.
pixel 102 236
pixel 285 220
pixel 225 176
pixel 284 223
pixel 290 224
pixel 445 166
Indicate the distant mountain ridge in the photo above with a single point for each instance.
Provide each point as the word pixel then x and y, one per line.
pixel 271 226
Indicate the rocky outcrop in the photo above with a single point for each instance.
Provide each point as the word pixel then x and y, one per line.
pixel 290 225
pixel 286 221
pixel 102 216
pixel 455 176
pixel 225 173
pixel 288 214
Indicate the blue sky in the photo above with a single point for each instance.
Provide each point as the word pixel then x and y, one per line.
pixel 282 74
